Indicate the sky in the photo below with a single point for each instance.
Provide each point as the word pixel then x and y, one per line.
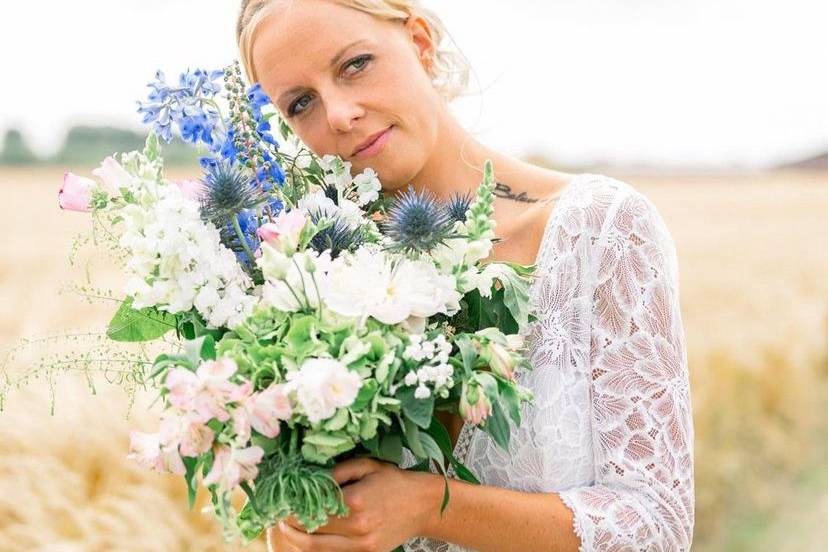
pixel 661 82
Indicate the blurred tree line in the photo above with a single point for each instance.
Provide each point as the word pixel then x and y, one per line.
pixel 89 145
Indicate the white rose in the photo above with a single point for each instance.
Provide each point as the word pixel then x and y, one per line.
pixel 323 385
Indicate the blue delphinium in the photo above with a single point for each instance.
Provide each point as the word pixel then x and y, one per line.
pixel 190 106
pixel 418 221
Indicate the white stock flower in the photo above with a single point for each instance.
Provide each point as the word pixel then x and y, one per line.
pixel 176 261
pixel 367 186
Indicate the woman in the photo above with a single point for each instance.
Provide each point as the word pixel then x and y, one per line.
pixel 604 457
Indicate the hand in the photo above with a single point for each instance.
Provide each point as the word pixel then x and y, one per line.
pixel 387 506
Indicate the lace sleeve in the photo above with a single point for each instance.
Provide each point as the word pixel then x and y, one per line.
pixel 642 429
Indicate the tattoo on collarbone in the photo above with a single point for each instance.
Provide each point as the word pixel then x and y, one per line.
pixel 504 191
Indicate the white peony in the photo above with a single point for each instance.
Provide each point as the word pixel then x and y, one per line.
pixel 372 283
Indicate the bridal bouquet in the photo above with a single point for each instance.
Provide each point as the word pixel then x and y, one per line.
pixel 314 319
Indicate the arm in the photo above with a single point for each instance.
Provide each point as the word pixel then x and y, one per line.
pixel 642 423
pixel 642 497
pixel 493 519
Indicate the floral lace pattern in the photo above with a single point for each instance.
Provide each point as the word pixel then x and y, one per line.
pixel 611 427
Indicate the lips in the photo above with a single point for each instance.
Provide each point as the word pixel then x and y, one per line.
pixel 369 141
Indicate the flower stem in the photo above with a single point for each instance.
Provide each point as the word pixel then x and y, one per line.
pixel 243 239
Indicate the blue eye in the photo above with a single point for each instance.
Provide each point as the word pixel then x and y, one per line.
pixel 292 109
pixel 359 62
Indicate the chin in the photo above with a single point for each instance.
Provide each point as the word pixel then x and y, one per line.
pixel 394 173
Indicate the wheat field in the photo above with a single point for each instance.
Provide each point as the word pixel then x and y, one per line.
pixel 754 293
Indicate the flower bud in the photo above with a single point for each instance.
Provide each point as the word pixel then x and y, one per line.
pixel 475 406
pixel 274 263
pixel 284 232
pixel 501 361
pixel 76 193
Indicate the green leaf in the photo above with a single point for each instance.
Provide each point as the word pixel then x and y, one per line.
pixel 509 397
pixel 390 449
pixel 412 439
pixel 464 473
pixel 438 431
pixel 191 470
pixel 515 292
pixel 467 352
pixel 366 393
pixel 200 348
pixel 327 439
pixel 497 425
pixel 417 410
pixel 152 147
pixel 130 325
pixel 338 420
pixel 432 449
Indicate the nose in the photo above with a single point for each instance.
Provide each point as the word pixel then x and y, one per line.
pixel 342 110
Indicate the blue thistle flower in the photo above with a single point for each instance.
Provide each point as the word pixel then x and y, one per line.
pixel 338 237
pixel 458 205
pixel 418 222
pixel 227 192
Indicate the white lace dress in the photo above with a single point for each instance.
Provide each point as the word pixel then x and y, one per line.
pixel 610 428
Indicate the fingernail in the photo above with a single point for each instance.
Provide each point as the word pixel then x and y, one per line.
pixel 282 526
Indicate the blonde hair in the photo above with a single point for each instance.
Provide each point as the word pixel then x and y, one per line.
pixel 449 69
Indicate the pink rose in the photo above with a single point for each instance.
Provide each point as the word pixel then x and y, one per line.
pixel 76 193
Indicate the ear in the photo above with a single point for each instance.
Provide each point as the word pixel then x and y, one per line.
pixel 420 33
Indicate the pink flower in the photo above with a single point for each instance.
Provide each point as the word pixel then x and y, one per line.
pixel 204 395
pixel 76 193
pixel 268 232
pixel 501 361
pixel 113 175
pixel 231 466
pixel 150 452
pixel 475 406
pixel 195 438
pixel 262 411
pixel 284 232
pixel 191 189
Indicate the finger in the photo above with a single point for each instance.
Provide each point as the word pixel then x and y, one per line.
pixel 354 469
pixel 337 525
pixel 276 542
pixel 295 523
pixel 317 542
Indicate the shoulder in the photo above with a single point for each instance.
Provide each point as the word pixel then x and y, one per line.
pixel 608 204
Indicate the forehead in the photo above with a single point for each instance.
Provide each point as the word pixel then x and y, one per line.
pixel 300 37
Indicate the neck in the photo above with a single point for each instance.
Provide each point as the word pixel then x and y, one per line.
pixel 456 165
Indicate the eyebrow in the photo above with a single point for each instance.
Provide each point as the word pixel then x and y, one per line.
pixel 333 62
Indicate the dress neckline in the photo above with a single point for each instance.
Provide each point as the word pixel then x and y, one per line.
pixel 464 438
